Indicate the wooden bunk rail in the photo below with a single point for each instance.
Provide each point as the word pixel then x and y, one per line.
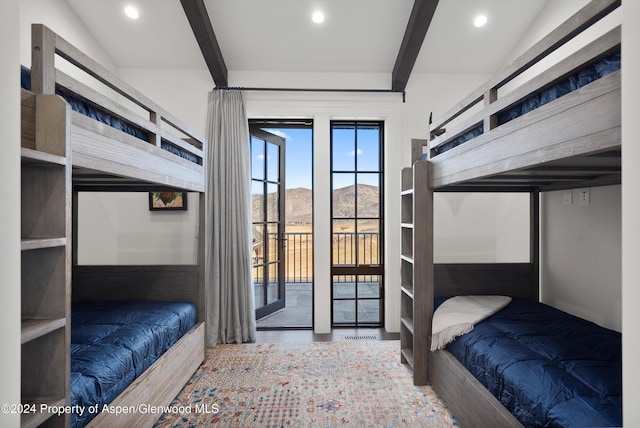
pixel 510 147
pixel 46 44
pixel 67 82
pixel 590 53
pixel 576 24
pixel 97 146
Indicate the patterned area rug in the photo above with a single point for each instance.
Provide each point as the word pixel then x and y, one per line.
pixel 319 384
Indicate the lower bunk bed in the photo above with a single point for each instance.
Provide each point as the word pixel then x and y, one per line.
pixel 114 343
pixel 531 365
pixel 137 336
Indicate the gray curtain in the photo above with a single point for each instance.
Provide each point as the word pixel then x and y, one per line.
pixel 229 288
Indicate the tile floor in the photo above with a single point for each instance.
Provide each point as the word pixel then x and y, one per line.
pixel 298 311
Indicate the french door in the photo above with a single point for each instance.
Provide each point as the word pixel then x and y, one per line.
pixel 268 220
pixel 357 268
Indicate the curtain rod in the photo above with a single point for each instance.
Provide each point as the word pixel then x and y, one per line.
pixel 242 88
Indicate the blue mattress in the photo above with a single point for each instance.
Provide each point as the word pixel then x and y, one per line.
pixel 580 78
pixel 95 112
pixel 112 343
pixel 548 368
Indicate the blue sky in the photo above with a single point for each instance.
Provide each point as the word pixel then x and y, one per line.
pixel 299 154
pixel 299 159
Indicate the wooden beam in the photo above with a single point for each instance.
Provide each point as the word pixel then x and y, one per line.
pixel 200 22
pixel 414 35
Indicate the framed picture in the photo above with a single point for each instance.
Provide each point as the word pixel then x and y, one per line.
pixel 167 201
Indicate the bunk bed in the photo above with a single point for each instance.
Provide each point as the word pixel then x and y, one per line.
pixel 560 129
pixel 123 336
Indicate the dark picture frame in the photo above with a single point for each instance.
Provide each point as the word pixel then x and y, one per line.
pixel 168 201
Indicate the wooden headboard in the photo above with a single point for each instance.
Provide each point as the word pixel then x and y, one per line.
pixel 511 279
pixel 146 282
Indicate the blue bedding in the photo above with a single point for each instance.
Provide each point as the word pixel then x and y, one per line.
pixel 95 112
pixel 112 343
pixel 548 368
pixel 580 78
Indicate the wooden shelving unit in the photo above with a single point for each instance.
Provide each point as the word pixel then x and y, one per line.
pixel 415 268
pixel 45 261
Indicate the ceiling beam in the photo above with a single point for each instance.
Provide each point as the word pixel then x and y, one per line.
pixel 198 18
pixel 414 35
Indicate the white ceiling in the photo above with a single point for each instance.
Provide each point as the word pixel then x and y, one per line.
pixel 360 36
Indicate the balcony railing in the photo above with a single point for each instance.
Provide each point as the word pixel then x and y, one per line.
pixel 299 254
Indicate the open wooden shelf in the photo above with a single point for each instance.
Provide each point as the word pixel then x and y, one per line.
pixel 414 262
pixel 45 264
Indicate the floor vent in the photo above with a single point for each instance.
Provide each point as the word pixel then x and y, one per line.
pixel 361 337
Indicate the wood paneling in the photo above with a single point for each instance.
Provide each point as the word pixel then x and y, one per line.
pixel 509 279
pixel 128 283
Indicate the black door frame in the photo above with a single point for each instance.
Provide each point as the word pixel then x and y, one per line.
pixel 280 243
pixel 358 269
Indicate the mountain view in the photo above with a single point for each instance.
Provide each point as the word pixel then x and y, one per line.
pixel 299 204
pixel 299 215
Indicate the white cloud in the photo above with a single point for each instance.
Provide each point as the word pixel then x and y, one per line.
pixel 355 152
pixel 280 133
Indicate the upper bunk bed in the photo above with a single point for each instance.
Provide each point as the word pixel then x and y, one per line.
pixel 558 129
pixel 113 147
pixel 521 137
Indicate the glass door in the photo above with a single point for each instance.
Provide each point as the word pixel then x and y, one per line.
pixel 357 224
pixel 268 220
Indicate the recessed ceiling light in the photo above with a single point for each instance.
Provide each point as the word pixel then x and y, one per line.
pixel 480 21
pixel 132 12
pixel 317 17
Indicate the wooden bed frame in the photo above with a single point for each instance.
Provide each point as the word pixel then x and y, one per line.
pixel 161 382
pixel 105 159
pixel 571 142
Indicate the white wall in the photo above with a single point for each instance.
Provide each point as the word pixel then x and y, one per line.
pixel 481 227
pixel 581 255
pixel 59 17
pixel 10 217
pixel 630 212
pixel 118 228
